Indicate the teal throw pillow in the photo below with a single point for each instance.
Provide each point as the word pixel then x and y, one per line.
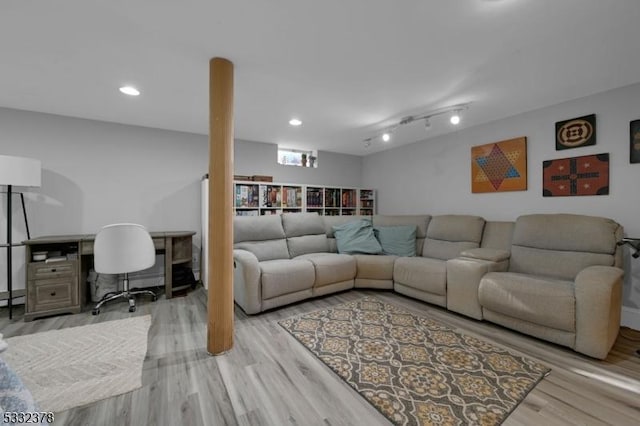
pixel 398 240
pixel 356 237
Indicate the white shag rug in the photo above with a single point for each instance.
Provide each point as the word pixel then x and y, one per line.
pixel 75 366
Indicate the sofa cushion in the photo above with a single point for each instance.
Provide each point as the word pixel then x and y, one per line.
pixel 266 250
pixel 448 235
pixel 567 232
pixel 261 235
pixel 375 267
pixel 424 274
pixel 284 276
pixel 397 240
pixel 539 300
pixel 257 228
pixel 307 244
pixel 331 221
pixel 561 245
pixel 497 235
pixel 421 222
pixel 298 224
pixel 305 233
pixel 331 268
pixel 356 237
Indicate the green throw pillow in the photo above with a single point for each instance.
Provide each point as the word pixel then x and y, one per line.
pixel 398 240
pixel 356 237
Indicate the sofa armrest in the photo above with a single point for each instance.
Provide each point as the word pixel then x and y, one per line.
pixel 493 255
pixel 598 291
pixel 247 291
pixel 463 280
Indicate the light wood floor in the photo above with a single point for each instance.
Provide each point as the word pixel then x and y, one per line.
pixel 270 379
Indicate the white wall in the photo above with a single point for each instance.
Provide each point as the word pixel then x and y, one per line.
pixel 257 158
pixel 95 173
pixel 434 176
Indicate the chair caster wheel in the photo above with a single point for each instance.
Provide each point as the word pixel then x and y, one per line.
pixel 132 308
pixel 95 311
pixel 154 298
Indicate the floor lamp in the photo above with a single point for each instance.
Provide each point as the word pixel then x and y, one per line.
pixel 16 171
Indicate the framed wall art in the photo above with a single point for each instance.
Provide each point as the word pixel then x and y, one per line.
pixel 576 132
pixel 499 166
pixel 634 148
pixel 586 175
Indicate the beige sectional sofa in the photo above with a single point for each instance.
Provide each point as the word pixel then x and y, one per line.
pixel 557 277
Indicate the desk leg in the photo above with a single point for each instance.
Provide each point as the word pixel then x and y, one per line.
pixel 168 267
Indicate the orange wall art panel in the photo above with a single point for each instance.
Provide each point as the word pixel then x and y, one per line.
pixel 499 166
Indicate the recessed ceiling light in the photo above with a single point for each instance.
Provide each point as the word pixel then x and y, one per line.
pixel 455 118
pixel 129 90
pixel 295 122
pixel 386 137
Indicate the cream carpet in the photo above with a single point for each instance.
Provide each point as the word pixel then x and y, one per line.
pixel 79 365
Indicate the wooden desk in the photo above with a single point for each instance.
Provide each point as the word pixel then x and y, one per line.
pixel 59 287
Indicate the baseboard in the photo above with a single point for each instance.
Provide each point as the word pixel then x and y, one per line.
pixel 631 317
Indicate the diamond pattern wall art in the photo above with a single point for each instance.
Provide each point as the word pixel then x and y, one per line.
pixel 586 175
pixel 499 166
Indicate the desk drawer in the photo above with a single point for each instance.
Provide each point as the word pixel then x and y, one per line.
pixel 51 294
pixel 42 270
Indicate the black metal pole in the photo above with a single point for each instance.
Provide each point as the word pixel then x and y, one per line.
pixel 9 268
pixel 24 212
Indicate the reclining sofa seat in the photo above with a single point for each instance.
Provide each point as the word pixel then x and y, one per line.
pixel 265 276
pixel 563 283
pixel 376 270
pixel 424 277
pixel 307 240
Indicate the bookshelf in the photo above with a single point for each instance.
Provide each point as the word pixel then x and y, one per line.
pixel 260 198
pixel 366 202
pixel 263 198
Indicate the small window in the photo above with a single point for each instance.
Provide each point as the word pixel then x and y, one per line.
pixel 297 157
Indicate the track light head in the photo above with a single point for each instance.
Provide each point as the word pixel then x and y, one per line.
pixel 455 118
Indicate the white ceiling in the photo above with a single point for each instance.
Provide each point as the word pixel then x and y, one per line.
pixel 346 68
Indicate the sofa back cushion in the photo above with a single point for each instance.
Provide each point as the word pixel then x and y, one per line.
pixel 497 235
pixel 421 222
pixel 305 233
pixel 448 235
pixel 261 235
pixel 561 245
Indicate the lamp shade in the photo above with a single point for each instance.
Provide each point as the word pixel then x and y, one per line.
pixel 20 171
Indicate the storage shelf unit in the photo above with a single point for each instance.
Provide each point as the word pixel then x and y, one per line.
pixel 261 198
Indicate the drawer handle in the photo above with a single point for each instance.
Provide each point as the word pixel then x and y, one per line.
pixel 53 293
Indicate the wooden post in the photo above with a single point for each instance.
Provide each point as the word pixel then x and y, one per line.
pixel 220 299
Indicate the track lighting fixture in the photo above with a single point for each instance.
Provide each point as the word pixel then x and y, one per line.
pixel 454 110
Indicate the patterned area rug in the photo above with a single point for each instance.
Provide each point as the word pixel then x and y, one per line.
pixel 415 370
pixel 75 366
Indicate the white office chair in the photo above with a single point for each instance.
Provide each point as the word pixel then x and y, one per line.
pixel 119 249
